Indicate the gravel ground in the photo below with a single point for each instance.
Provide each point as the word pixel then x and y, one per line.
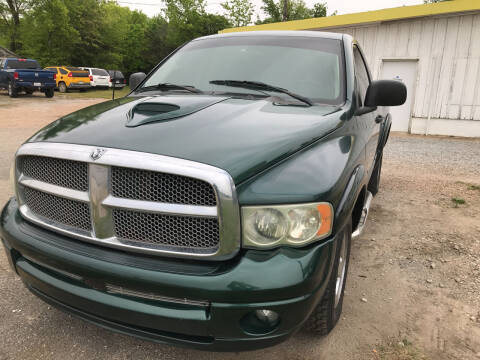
pixel 417 266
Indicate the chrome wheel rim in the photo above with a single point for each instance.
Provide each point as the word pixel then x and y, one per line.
pixel 342 265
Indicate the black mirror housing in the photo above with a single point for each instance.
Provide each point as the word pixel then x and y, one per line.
pixel 386 93
pixel 136 79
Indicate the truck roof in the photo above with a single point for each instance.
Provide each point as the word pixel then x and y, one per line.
pixel 317 34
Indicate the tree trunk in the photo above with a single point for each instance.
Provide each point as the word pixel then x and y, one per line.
pixel 14 11
pixel 285 10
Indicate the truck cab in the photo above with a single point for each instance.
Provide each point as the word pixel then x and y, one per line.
pixel 214 206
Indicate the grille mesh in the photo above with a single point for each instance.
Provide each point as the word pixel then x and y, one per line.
pixel 66 173
pixel 160 187
pixel 63 211
pixel 166 230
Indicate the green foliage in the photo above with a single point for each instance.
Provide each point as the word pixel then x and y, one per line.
pixel 296 10
pixel 239 12
pixel 101 33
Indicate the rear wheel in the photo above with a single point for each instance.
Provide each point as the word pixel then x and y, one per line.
pixel 49 92
pixel 12 91
pixel 327 313
pixel 62 87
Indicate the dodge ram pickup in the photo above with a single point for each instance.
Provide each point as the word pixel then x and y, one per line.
pixel 25 75
pixel 214 206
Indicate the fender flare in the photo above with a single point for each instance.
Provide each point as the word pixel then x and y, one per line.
pixel 350 196
pixel 384 132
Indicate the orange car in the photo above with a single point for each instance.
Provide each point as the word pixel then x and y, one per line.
pixel 69 77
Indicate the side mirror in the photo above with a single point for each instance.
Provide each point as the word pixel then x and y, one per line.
pixel 386 93
pixel 136 79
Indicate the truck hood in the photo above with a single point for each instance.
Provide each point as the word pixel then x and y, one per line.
pixel 241 136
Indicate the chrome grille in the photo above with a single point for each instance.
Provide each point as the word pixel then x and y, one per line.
pixel 166 230
pixel 129 200
pixel 74 214
pixel 160 187
pixel 65 173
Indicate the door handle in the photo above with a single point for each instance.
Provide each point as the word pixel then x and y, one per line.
pixel 379 119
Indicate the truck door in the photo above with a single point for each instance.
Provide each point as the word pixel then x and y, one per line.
pixel 369 123
pixel 3 74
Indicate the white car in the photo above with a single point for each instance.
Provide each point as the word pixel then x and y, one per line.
pixel 98 77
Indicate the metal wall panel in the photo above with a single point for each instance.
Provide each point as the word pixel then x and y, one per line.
pixel 448 52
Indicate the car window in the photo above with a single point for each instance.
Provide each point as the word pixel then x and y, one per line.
pixel 99 72
pixel 317 74
pixel 361 74
pixel 63 71
pixel 22 64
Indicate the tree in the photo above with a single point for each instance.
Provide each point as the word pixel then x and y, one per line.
pixel 286 10
pixel 10 15
pixel 49 39
pixel 239 12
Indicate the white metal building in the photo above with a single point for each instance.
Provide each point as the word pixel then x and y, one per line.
pixel 434 49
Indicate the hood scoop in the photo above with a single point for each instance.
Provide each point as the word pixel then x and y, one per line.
pixel 164 108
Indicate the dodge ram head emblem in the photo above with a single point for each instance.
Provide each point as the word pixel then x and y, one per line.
pixel 97 153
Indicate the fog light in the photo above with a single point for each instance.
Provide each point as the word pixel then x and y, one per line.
pixel 267 316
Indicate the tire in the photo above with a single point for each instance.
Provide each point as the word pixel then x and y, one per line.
pixel 49 92
pixel 29 91
pixel 374 183
pixel 327 313
pixel 62 87
pixel 12 92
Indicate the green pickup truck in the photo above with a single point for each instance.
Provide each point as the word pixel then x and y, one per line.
pixel 214 206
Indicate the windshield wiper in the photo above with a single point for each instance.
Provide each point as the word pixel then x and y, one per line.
pixel 169 86
pixel 257 85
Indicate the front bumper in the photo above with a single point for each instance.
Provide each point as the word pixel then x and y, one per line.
pixel 220 297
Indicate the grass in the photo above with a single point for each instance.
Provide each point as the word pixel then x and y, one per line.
pixel 398 350
pixel 474 187
pixel 94 94
pixel 458 201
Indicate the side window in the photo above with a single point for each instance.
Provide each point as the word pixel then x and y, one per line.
pixel 361 74
pixel 63 71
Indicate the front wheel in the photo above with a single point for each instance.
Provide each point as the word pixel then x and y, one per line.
pixel 327 313
pixel 49 92
pixel 12 91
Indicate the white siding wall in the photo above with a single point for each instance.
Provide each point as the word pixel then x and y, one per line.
pixel 448 53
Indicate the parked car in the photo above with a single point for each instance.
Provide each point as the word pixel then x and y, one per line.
pixel 214 206
pixel 117 77
pixel 98 77
pixel 25 75
pixel 70 78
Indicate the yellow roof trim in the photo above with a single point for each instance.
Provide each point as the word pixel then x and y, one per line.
pixel 404 12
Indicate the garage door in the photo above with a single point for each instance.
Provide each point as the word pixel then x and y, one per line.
pixel 405 71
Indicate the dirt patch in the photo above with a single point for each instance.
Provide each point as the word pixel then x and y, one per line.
pixel 417 265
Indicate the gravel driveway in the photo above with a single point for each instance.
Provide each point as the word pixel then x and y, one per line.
pixel 417 266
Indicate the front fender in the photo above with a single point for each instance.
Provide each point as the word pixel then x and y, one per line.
pixel 320 172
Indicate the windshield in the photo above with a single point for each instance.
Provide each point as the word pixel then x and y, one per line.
pixel 308 66
pixel 22 64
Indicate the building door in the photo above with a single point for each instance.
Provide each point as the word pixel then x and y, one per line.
pixel 405 71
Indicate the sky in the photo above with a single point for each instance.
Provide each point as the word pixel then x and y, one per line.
pixel 153 7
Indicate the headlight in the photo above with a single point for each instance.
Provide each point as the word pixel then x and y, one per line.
pixel 294 225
